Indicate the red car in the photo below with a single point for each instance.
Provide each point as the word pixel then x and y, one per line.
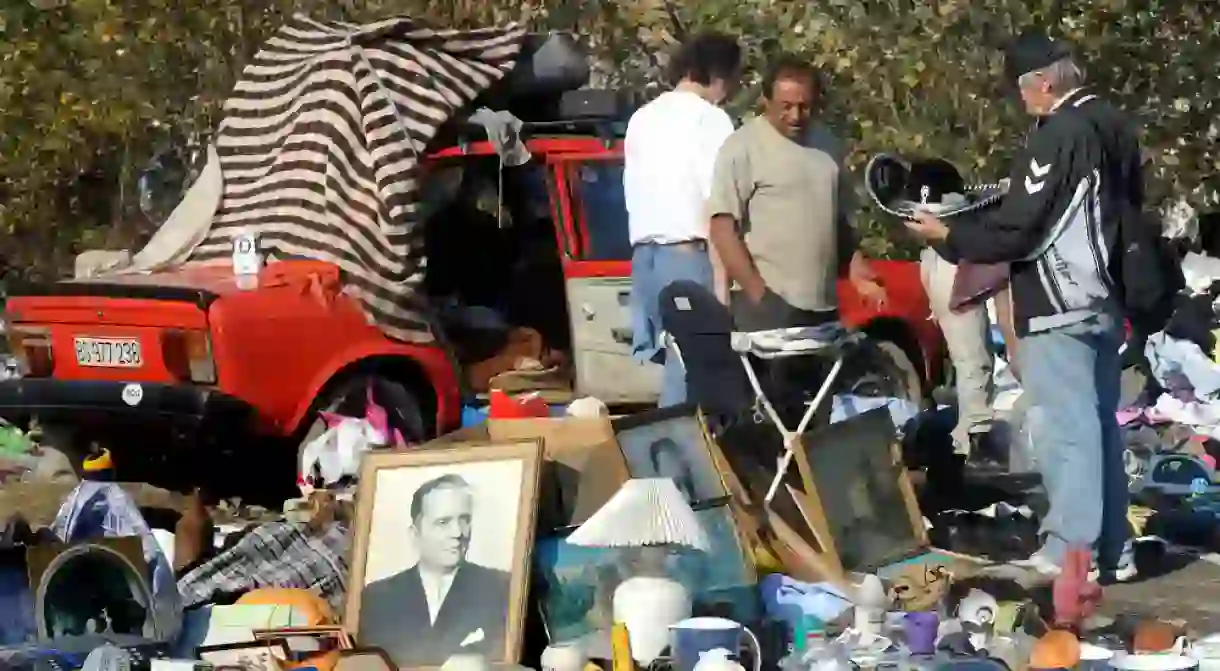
pixel 187 359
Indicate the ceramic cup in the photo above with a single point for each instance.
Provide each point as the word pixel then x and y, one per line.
pixel 564 657
pixel 692 637
pixel 919 629
pixel 1094 657
pixel 1206 651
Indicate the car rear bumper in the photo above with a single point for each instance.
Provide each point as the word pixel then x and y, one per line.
pixel 107 402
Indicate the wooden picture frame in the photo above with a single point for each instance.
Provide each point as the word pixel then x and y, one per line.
pixel 672 442
pixel 364 659
pixel 792 525
pixel 446 509
pixel 335 631
pixel 237 655
pixel 855 477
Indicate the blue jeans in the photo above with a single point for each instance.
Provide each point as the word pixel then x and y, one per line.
pixel 654 267
pixel 1072 375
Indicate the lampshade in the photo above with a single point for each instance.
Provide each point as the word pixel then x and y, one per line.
pixel 644 511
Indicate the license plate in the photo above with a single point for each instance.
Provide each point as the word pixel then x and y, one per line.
pixel 109 352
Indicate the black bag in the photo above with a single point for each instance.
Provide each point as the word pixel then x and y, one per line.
pixel 1146 271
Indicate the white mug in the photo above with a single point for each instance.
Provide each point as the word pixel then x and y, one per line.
pixel 1206 651
pixel 564 657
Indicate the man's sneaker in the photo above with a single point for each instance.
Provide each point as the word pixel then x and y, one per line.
pixel 1125 573
pixel 1042 564
pixel 1038 562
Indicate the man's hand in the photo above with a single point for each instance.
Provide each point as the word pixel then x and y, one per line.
pixel 755 289
pixel 928 227
pixel 864 280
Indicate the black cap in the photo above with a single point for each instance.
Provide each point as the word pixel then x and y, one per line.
pixel 1032 50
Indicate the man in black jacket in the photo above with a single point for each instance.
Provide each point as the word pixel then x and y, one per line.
pixel 1077 175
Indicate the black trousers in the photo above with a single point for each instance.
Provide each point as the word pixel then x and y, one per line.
pixel 790 382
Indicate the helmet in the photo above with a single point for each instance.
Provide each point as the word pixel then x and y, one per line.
pixel 901 187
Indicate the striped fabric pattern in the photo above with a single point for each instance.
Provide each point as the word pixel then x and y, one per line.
pixel 321 142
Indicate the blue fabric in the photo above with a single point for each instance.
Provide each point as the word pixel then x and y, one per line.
pixel 1072 375
pixel 653 267
pixel 16 607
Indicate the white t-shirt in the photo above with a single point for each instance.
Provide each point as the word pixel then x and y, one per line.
pixel 670 152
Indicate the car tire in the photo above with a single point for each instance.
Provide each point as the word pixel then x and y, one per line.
pixel 403 410
pixel 882 368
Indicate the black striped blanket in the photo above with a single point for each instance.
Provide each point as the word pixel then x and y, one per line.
pixel 321 142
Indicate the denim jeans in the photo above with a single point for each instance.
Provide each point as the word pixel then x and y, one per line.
pixel 654 267
pixel 1072 375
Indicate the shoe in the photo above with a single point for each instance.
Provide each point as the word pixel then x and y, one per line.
pixel 1125 573
pixel 985 456
pixel 1038 562
pixel 1044 565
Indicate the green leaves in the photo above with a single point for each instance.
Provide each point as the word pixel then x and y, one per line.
pixel 82 84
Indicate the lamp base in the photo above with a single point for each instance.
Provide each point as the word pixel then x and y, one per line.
pixel 648 605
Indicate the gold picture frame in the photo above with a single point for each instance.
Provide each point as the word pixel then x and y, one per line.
pixel 430 527
pixel 855 478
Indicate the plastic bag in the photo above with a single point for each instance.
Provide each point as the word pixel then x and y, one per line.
pixel 338 451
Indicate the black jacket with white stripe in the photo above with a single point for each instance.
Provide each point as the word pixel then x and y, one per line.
pixel 1059 223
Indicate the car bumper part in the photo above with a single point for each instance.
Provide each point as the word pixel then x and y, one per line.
pixel 108 402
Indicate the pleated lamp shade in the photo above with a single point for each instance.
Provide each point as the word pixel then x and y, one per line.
pixel 644 511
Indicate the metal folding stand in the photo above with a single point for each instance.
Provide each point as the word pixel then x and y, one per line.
pixel 826 340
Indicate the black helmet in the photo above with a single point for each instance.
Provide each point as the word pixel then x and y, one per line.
pixel 901 187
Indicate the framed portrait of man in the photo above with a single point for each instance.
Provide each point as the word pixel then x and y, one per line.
pixel 671 443
pixel 441 552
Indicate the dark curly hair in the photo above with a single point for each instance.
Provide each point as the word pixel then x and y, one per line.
pixel 707 56
pixel 788 66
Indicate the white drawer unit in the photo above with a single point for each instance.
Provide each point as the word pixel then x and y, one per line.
pixel 600 311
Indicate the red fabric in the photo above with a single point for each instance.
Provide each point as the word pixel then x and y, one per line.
pixel 503 406
pixel 1075 597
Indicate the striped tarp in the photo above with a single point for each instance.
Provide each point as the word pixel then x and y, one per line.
pixel 315 153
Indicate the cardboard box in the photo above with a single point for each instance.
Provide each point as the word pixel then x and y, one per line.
pixel 584 465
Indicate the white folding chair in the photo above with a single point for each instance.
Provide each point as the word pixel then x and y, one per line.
pixel 827 340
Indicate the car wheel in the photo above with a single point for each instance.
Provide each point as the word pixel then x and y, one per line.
pixel 350 399
pixel 881 368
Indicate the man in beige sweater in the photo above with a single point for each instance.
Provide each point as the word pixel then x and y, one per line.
pixel 778 223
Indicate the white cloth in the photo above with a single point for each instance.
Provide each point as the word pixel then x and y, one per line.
pixel 1204 418
pixel 1200 271
pixel 670 151
pixel 1168 355
pixel 174 241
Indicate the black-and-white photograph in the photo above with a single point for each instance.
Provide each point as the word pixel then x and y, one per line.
pixel 671 443
pixel 440 570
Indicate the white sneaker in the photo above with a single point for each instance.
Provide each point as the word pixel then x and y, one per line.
pixel 1125 573
pixel 1043 564
pixel 1040 563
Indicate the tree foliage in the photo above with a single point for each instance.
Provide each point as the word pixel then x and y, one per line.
pixel 91 89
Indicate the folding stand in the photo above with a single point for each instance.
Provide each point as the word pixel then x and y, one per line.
pixel 828 339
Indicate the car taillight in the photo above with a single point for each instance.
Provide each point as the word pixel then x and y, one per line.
pixel 188 355
pixel 31 347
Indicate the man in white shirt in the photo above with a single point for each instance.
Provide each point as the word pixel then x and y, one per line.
pixel 670 153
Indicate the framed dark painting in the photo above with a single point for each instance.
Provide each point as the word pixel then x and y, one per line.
pixel 856 470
